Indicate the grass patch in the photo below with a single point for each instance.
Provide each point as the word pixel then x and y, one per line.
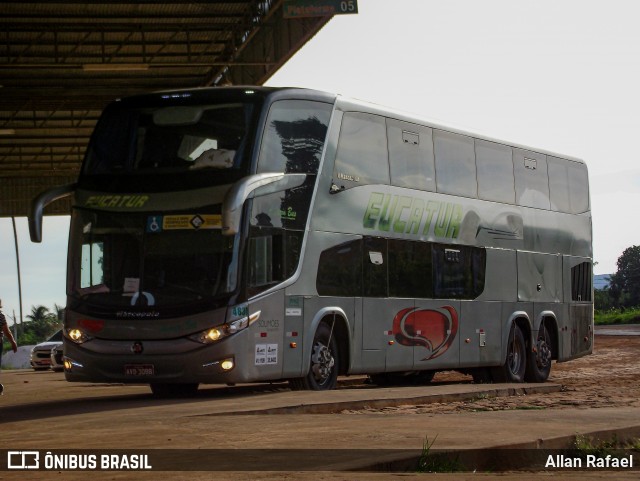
pixel 587 445
pixel 430 462
pixel 617 316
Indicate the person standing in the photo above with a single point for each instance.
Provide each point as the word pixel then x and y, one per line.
pixel 5 331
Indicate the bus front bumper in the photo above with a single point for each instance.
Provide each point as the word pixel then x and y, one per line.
pixel 158 361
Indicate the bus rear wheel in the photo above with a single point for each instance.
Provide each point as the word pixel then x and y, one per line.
pixel 539 359
pixel 513 370
pixel 323 371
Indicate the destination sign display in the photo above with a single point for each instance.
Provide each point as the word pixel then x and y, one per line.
pixel 318 8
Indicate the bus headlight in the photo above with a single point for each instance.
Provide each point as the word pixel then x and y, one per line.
pixel 212 335
pixel 220 332
pixel 77 335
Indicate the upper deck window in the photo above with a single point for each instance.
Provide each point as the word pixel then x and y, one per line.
pixel 455 164
pixel 294 137
pixel 362 156
pixel 169 139
pixel 531 179
pixel 568 186
pixel 494 165
pixel 411 155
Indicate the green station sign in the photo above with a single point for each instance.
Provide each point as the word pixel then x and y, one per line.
pixel 318 8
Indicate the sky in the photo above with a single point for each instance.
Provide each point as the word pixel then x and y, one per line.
pixel 557 75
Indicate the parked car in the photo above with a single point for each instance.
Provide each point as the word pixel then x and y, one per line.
pixel 41 353
pixel 56 358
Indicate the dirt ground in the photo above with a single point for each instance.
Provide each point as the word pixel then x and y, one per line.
pixel 607 378
pixel 78 415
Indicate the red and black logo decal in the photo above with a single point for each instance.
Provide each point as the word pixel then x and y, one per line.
pixel 433 329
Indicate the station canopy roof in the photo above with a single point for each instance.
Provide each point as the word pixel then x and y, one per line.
pixel 62 62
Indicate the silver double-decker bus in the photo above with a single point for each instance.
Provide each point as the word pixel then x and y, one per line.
pixel 242 234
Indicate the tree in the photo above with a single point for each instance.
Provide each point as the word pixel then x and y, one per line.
pixel 58 311
pixel 38 326
pixel 603 300
pixel 41 323
pixel 625 283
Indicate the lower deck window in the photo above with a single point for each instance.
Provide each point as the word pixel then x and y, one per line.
pixel 378 267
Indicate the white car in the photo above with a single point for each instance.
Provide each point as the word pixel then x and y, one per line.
pixel 41 353
pixel 57 358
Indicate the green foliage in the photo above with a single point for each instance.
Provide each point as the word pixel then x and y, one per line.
pixel 38 326
pixel 589 445
pixel 430 462
pixel 617 316
pixel 603 301
pixel 625 283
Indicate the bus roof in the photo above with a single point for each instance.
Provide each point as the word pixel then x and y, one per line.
pixel 343 103
pixel 347 104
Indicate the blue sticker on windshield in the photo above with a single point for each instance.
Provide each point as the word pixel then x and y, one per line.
pixel 154 224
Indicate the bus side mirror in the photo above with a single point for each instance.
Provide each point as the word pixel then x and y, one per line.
pixel 245 189
pixel 39 203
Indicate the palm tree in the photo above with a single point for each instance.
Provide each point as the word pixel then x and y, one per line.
pixel 59 312
pixel 38 314
pixel 41 322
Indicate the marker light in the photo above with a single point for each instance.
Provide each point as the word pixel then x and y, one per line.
pixel 69 364
pixel 227 364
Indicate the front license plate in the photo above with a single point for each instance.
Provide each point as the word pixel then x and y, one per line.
pixel 139 370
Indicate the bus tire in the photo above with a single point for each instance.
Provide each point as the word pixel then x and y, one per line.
pixel 323 369
pixel 514 367
pixel 539 359
pixel 177 390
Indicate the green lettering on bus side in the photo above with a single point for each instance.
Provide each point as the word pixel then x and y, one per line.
pixel 399 225
pixel 386 212
pixel 432 208
pixel 454 224
pixel 440 229
pixel 415 218
pixel 372 213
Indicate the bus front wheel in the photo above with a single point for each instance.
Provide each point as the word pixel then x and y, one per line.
pixel 323 370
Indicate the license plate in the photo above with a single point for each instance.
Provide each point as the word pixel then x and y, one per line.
pixel 139 370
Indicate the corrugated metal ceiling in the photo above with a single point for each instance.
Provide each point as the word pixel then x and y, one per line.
pixel 61 62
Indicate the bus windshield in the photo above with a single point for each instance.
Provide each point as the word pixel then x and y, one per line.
pixel 126 260
pixel 170 139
